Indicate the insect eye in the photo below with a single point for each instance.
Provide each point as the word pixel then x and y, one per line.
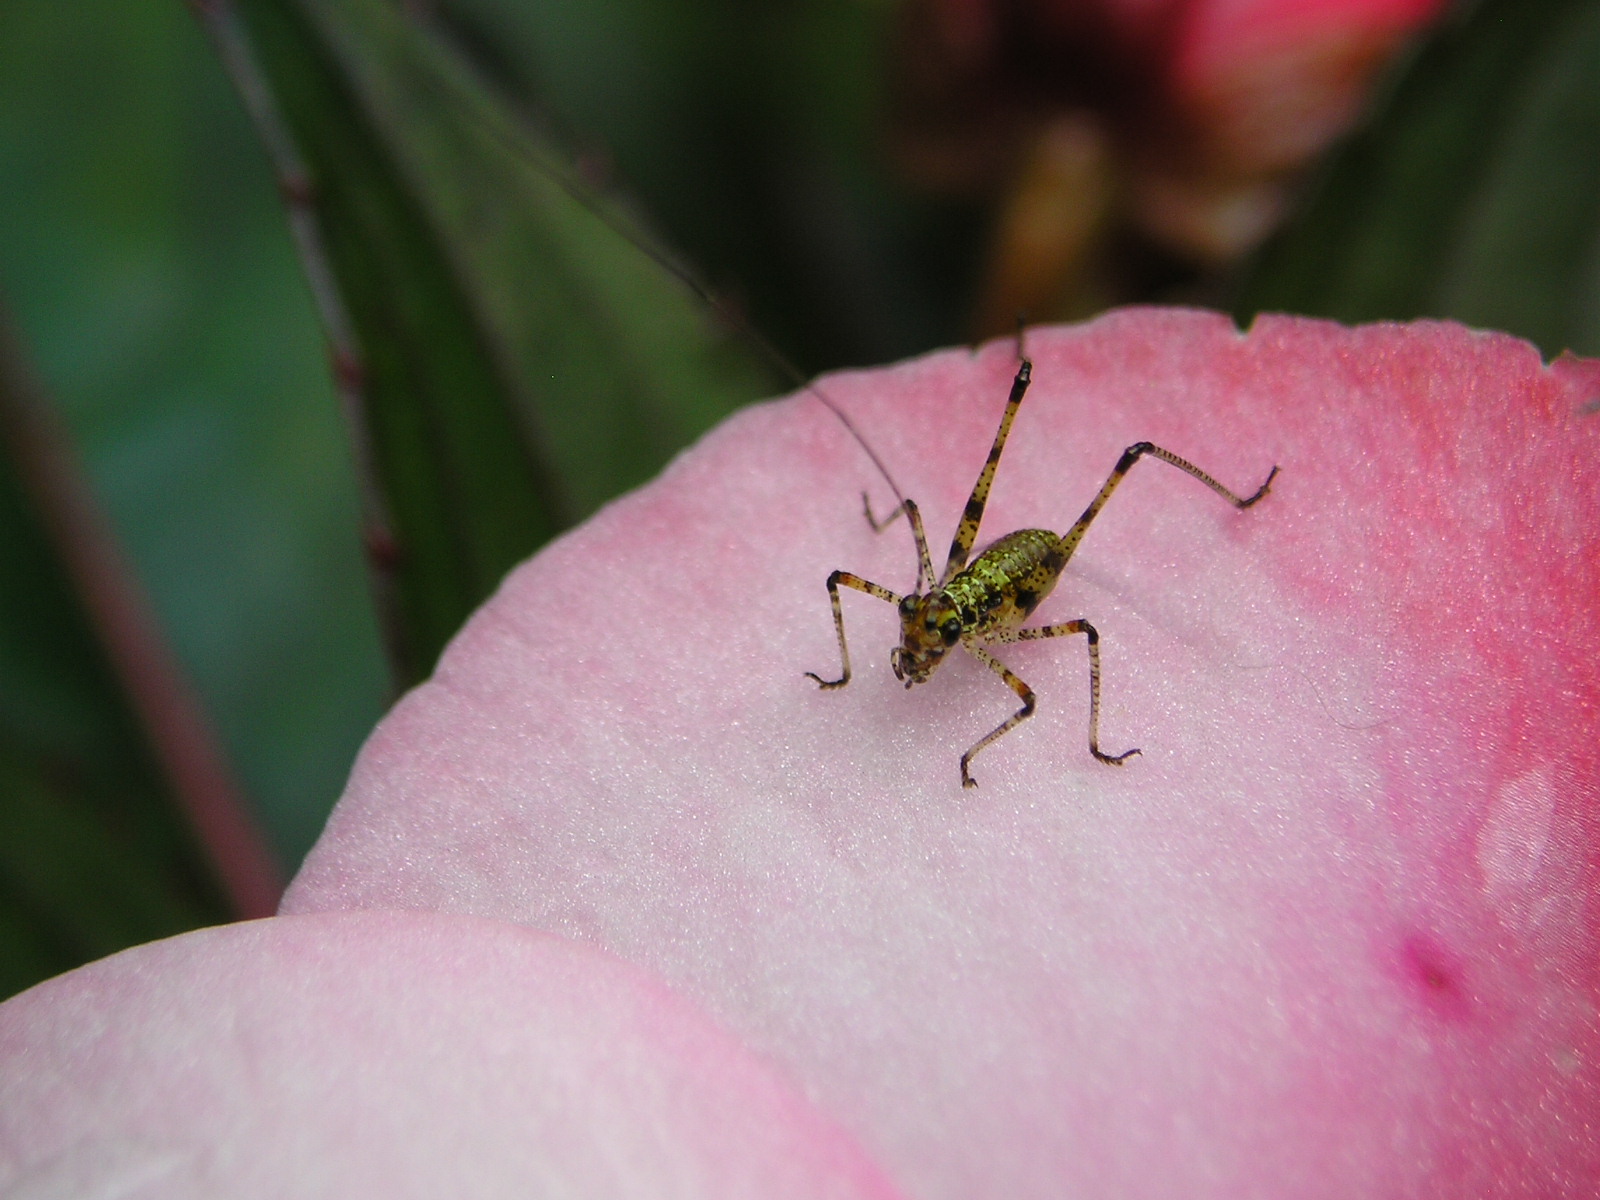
pixel 950 631
pixel 908 605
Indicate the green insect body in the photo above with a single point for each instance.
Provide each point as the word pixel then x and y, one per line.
pixel 985 603
pixel 992 596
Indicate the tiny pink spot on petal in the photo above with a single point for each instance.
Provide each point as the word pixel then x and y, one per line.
pixel 1436 976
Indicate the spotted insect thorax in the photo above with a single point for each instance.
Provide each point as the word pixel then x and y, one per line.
pixel 999 590
pixel 984 603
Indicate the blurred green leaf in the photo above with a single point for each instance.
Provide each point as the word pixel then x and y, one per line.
pixel 1473 191
pixel 756 134
pixel 515 360
pixel 95 854
pixel 144 251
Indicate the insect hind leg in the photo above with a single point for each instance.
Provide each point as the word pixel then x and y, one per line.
pixel 972 514
pixel 1133 452
pixel 1070 540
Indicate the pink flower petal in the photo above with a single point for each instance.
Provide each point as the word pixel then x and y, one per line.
pixel 394 1055
pixel 1334 934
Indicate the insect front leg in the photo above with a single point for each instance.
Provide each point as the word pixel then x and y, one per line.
pixel 914 517
pixel 860 585
pixel 1064 629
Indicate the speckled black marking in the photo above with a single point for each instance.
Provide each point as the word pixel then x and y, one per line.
pixel 974 510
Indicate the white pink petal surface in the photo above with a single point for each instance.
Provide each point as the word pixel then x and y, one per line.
pixel 1334 934
pixel 392 1055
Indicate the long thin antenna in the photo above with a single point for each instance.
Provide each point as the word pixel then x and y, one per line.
pixel 523 148
pixel 726 313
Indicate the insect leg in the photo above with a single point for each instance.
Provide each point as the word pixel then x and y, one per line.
pixel 1133 454
pixel 1012 681
pixel 1064 629
pixel 914 516
pixel 972 515
pixel 878 526
pixel 860 585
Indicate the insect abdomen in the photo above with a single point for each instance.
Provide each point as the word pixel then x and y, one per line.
pixel 1003 585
